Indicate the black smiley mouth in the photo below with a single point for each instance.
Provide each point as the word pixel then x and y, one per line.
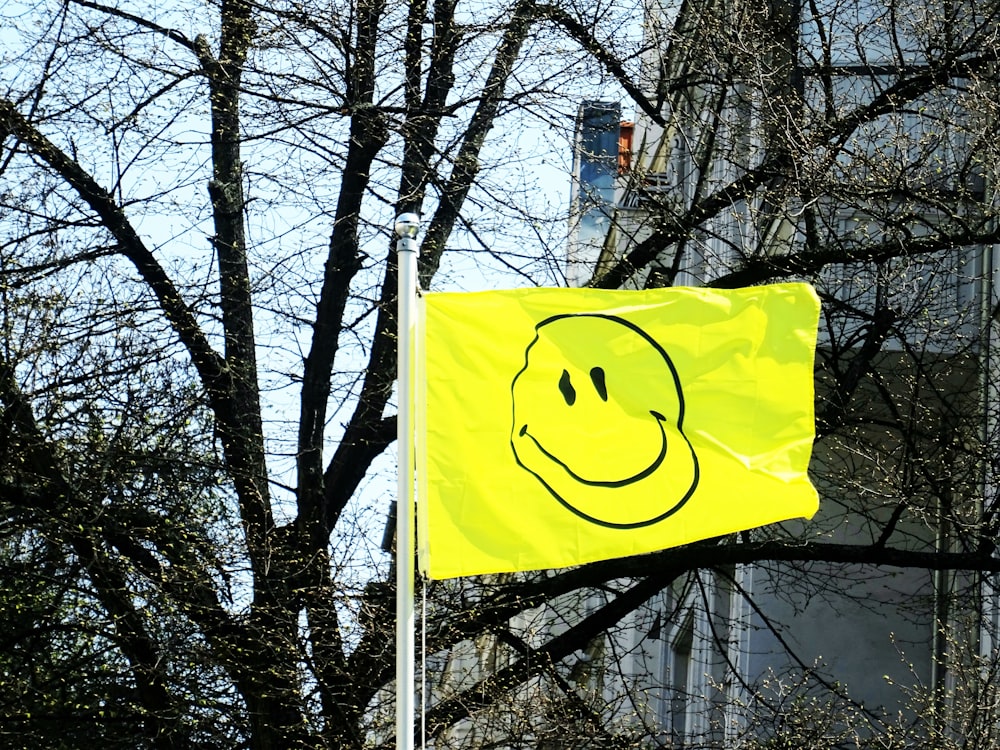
pixel 659 418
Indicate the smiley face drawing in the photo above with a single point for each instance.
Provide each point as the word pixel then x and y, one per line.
pixel 598 416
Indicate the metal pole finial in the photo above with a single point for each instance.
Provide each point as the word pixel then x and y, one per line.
pixel 407 226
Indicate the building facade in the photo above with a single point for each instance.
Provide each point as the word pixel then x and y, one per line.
pixel 735 181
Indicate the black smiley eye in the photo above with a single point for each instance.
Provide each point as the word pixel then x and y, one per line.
pixel 566 388
pixel 597 378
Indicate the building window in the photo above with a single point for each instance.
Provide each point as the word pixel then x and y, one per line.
pixel 680 683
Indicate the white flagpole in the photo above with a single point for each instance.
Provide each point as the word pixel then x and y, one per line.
pixel 407 252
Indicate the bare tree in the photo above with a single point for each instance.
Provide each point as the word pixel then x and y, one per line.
pixel 196 379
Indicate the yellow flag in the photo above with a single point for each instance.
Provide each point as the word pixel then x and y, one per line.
pixel 562 426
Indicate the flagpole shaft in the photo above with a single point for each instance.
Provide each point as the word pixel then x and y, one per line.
pixel 407 252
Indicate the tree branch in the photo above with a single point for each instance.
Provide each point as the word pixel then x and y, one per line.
pixel 209 364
